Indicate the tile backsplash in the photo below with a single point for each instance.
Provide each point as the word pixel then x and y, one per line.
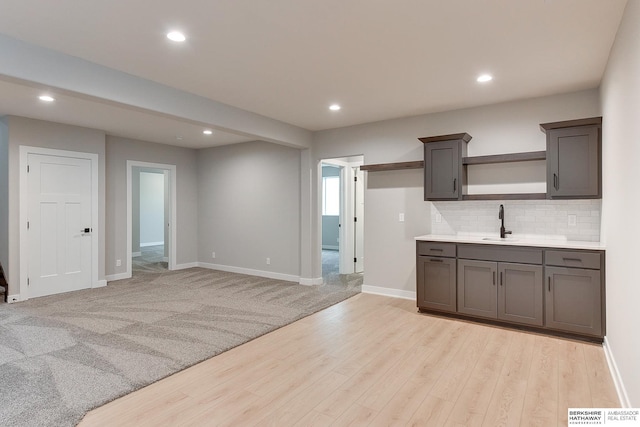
pixel 539 218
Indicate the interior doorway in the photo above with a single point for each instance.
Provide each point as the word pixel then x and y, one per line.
pixel 151 210
pixel 342 218
pixel 150 199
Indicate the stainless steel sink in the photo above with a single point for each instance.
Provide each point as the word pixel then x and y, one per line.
pixel 498 239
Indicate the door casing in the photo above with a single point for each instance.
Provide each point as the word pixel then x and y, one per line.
pixel 173 209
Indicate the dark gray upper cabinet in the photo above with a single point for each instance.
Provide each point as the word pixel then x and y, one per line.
pixel 444 175
pixel 574 159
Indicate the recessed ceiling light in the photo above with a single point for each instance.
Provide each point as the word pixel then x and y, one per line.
pixel 334 107
pixel 176 36
pixel 207 132
pixel 483 78
pixel 46 98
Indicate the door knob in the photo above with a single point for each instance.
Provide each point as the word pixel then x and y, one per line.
pixel 86 230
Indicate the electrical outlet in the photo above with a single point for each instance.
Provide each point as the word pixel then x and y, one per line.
pixel 213 254
pixel 268 261
pixel 401 217
pixel 118 262
pixel 438 217
pixel 572 219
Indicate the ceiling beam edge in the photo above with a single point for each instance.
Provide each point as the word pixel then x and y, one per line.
pixel 45 67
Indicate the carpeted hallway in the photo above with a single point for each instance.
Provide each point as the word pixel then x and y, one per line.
pixel 63 355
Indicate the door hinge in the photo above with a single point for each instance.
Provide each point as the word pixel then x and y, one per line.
pixel 355 260
pixel 27 225
pixel 27 168
pixel 28 281
pixel 355 219
pixel 355 179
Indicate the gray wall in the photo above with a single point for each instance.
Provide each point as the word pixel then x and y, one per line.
pixel 37 133
pixel 249 206
pixel 330 229
pixel 620 93
pixel 118 151
pixel 389 245
pixel 4 194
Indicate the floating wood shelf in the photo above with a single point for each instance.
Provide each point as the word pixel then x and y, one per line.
pixel 393 166
pixel 505 158
pixel 516 196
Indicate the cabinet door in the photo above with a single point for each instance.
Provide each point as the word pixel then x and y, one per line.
pixel 477 293
pixel 573 162
pixel 441 170
pixel 573 300
pixel 520 293
pixel 437 283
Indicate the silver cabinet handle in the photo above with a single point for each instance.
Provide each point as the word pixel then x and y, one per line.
pixel 494 278
pixel 501 278
pixel 435 249
pixel 454 184
pixel 549 283
pixel 572 259
pixel 435 260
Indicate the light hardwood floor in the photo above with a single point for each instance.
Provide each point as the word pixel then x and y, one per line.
pixel 375 361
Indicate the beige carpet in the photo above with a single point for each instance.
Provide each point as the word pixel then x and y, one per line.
pixel 62 355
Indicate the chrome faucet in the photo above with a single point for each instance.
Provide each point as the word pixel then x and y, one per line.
pixel 503 232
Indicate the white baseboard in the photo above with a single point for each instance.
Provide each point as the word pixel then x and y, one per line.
pixel 185 266
pixel 144 245
pixel 13 298
pixel 388 292
pixel 311 282
pixel 100 284
pixel 119 276
pixel 615 374
pixel 250 272
pixel 136 254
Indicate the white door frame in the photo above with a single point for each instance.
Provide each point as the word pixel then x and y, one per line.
pixel 347 211
pixel 24 196
pixel 172 200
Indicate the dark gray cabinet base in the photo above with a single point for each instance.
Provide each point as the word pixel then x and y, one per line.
pixel 556 291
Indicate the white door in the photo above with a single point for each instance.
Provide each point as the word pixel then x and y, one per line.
pixel 59 224
pixel 359 228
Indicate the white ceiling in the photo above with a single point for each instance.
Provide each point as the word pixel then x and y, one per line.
pixel 290 59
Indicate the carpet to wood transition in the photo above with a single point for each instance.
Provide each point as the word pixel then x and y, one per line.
pixel 62 355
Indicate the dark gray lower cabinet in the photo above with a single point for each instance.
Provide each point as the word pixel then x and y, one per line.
pixel 505 291
pixel 574 300
pixel 551 288
pixel 520 293
pixel 436 283
pixel 477 288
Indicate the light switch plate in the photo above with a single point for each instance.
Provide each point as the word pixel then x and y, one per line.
pixel 572 220
pixel 401 217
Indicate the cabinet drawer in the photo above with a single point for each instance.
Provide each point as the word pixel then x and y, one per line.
pixel 437 249
pixel 501 253
pixel 590 260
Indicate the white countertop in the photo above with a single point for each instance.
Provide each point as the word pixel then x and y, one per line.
pixel 536 241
